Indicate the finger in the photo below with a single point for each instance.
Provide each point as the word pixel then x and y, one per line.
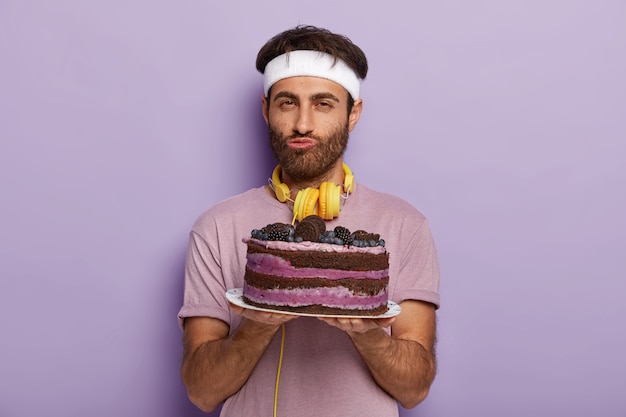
pixel 237 309
pixel 385 322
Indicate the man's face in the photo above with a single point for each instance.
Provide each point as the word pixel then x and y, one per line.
pixel 308 125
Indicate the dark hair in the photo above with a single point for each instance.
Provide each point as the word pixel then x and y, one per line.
pixel 314 39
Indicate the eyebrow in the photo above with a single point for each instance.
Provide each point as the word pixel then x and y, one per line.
pixel 318 96
pixel 329 96
pixel 284 94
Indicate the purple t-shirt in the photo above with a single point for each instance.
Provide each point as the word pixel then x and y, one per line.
pixel 322 374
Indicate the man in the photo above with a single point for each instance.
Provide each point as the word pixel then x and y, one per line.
pixel 329 366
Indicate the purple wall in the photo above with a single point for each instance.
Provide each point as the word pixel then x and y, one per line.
pixel 504 122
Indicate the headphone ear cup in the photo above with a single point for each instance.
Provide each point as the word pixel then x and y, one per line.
pixel 329 200
pixel 322 204
pixel 305 203
pixel 297 204
pixel 281 190
pixel 310 203
pixel 334 201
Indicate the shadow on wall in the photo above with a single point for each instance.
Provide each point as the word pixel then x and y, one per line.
pixel 255 160
pixel 255 163
pixel 181 405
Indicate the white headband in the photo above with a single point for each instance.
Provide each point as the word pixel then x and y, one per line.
pixel 311 64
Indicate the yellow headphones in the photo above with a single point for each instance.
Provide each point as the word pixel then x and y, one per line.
pixel 324 202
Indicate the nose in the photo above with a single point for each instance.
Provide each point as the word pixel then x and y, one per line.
pixel 304 122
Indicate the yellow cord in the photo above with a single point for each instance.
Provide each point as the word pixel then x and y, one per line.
pixel 280 363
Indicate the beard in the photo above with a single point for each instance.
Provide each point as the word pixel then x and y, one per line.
pixel 309 165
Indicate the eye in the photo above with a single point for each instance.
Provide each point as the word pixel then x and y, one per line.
pixel 287 103
pixel 324 105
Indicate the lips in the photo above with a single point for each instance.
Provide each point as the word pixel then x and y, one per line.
pixel 301 143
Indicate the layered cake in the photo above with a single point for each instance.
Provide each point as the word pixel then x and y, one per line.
pixel 308 269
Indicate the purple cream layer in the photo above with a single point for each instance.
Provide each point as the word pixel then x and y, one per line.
pixel 340 297
pixel 267 264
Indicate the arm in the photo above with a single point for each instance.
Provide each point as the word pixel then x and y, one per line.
pixel 216 365
pixel 402 364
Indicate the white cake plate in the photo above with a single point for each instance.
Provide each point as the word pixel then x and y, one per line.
pixel 235 296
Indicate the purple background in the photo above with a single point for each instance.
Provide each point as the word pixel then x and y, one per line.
pixel 503 121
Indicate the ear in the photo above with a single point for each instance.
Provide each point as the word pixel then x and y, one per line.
pixel 355 114
pixel 264 104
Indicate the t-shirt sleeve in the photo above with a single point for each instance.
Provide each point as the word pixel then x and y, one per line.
pixel 204 293
pixel 418 267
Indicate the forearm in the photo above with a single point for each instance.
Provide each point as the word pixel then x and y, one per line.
pixel 405 369
pixel 217 369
